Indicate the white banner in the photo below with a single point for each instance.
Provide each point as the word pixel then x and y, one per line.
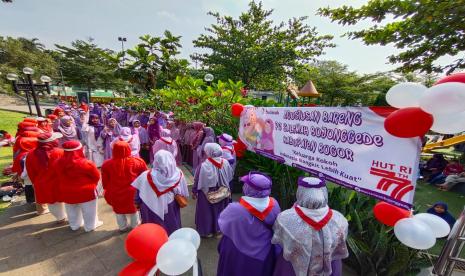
pixel 348 145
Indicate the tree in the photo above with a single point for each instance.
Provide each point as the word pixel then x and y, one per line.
pixel 17 53
pixel 251 48
pixel 152 63
pixel 425 30
pixel 85 64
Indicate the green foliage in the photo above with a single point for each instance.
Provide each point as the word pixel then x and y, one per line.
pixel 84 64
pixel 151 63
pixel 17 53
pixel 254 50
pixel 426 30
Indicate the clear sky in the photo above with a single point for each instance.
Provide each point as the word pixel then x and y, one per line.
pixel 62 21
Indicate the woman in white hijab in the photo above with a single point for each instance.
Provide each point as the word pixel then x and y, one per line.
pixel 161 192
pixel 126 135
pixel 211 188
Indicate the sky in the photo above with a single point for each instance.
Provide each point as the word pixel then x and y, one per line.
pixel 62 21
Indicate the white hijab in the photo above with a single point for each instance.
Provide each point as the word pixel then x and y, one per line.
pixel 164 174
pixel 210 176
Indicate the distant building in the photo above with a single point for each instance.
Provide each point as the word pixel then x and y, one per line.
pixel 264 95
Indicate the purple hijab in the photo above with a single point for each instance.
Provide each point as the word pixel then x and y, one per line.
pixel 154 130
pixel 69 132
pixel 98 127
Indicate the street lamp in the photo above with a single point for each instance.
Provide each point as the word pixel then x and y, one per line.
pixel 122 39
pixel 30 86
pixel 208 78
pixel 14 81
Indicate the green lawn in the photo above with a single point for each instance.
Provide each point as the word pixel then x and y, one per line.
pixel 8 122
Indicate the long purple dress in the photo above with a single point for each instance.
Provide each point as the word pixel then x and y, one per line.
pixel 157 190
pixel 172 220
pixel 206 213
pixel 246 248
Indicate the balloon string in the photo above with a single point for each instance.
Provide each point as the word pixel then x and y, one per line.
pixel 195 271
pixel 152 271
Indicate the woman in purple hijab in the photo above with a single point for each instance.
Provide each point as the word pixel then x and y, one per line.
pixel 156 190
pixel 312 236
pixel 213 173
pixel 108 134
pixel 153 131
pixel 199 152
pixel 68 129
pixel 245 248
pixel 165 143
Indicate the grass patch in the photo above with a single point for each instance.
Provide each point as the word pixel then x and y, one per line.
pixel 8 121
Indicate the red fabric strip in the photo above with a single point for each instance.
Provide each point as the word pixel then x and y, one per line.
pixel 155 189
pixel 167 142
pixel 260 215
pixel 317 225
pixel 216 164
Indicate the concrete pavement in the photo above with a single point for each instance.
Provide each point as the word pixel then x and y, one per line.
pixel 35 245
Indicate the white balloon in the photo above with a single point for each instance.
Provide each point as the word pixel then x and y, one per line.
pixel 449 123
pixel 439 226
pixel 188 234
pixel 176 257
pixel 406 94
pixel 444 98
pixel 414 233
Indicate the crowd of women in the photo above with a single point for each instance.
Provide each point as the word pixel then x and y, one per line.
pixel 64 158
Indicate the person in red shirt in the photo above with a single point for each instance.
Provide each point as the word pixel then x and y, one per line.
pixel 78 179
pixel 453 168
pixel 40 170
pixel 117 175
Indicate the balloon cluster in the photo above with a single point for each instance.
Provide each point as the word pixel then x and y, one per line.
pixel 419 231
pixel 440 108
pixel 148 244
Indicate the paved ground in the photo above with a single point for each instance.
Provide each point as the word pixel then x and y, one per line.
pixel 35 245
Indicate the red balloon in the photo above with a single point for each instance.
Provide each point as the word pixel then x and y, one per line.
pixel 383 111
pixel 389 214
pixel 236 109
pixel 144 241
pixel 136 268
pixel 408 122
pixel 457 77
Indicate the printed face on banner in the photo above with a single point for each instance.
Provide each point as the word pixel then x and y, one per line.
pixel 348 145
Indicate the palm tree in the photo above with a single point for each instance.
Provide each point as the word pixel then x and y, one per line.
pixel 31 44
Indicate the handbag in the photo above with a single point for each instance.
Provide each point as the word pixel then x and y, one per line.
pixel 218 195
pixel 181 200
